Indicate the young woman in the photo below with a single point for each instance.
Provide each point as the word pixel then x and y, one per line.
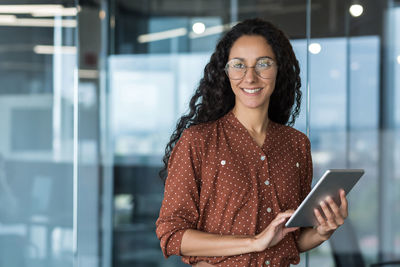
pixel 236 170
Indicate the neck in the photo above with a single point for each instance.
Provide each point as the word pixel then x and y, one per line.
pixel 254 120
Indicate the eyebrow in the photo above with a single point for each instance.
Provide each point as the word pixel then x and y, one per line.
pixel 256 58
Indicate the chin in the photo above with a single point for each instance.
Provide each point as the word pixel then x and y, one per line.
pixel 253 105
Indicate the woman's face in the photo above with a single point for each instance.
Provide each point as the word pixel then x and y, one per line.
pixel 252 91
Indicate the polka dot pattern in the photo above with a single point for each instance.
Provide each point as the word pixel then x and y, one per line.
pixel 220 181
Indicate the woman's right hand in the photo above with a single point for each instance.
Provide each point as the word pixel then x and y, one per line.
pixel 274 233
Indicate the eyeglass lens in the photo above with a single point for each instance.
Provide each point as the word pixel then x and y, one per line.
pixel 236 68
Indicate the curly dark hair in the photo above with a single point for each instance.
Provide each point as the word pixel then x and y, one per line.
pixel 214 96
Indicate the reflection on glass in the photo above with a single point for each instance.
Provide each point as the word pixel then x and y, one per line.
pixel 148 94
pixel 157 63
pixel 37 77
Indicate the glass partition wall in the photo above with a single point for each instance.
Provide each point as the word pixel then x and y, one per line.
pixel 91 91
pixel 38 179
pixel 49 139
pixel 349 57
pixel 158 51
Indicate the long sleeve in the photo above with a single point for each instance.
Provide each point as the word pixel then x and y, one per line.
pixel 180 206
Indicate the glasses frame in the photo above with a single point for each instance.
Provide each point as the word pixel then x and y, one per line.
pixel 251 67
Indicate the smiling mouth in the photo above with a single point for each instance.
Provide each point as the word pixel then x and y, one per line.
pixel 251 91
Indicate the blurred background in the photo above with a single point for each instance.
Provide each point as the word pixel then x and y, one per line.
pixel 90 92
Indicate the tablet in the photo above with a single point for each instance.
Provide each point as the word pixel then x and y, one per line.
pixel 329 185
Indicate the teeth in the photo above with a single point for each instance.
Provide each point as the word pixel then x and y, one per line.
pixel 251 91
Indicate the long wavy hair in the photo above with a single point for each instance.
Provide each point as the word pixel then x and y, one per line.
pixel 214 97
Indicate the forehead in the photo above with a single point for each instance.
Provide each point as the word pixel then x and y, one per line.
pixel 251 47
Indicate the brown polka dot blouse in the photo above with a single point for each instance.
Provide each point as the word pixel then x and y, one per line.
pixel 220 181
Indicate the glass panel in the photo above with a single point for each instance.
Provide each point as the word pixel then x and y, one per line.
pixel 38 60
pixel 354 110
pixel 155 65
pixel 91 174
pixel 353 106
pixel 396 149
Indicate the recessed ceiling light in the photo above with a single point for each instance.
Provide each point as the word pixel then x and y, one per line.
pixel 356 10
pixel 314 48
pixel 199 27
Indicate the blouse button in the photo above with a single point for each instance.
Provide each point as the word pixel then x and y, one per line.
pixel 267 263
pixel 297 164
pixel 223 162
pixel 262 157
pixel 266 182
pixel 269 210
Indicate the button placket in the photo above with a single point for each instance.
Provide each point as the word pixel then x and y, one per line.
pixel 262 158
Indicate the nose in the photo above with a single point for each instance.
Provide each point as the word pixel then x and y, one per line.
pixel 250 75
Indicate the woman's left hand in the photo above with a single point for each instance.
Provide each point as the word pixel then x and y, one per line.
pixel 332 217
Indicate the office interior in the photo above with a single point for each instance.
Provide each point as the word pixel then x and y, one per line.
pixel 91 91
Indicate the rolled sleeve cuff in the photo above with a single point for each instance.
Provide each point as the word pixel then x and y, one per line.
pixel 173 245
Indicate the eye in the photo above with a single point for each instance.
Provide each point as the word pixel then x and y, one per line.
pixel 265 63
pixel 237 65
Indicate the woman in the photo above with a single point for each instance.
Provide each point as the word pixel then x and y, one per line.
pixel 236 171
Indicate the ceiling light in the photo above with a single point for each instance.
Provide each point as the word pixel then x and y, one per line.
pixel 26 9
pixel 39 10
pixel 198 27
pixel 314 48
pixel 356 10
pixel 17 22
pixel 8 18
pixel 213 30
pixel 50 49
pixel 156 36
pixel 70 11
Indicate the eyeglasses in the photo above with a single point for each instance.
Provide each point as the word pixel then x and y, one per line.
pixel 236 69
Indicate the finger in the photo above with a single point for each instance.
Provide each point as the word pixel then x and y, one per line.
pixel 278 222
pixel 283 215
pixel 289 230
pixel 319 217
pixel 336 211
pixel 290 211
pixel 344 203
pixel 327 212
pixel 286 213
